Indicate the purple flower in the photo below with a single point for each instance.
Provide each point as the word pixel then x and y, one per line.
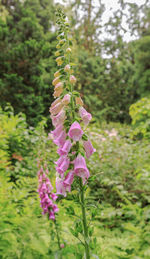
pixel 52 215
pixel 75 131
pixel 54 196
pixel 45 193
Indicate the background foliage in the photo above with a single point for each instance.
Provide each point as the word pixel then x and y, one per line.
pixel 113 78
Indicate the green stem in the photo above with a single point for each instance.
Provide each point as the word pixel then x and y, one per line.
pixel 85 227
pixel 57 235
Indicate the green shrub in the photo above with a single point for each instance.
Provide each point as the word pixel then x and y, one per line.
pixel 140 114
pixel 24 233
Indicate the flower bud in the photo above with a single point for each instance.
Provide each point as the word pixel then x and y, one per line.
pixel 58 86
pixel 67 68
pixel 61 42
pixel 57 93
pixel 56 81
pixel 56 74
pixel 57 46
pixel 59 61
pixel 57 53
pixel 66 99
pixel 79 101
pixel 72 79
pixel 68 50
pixel 62 245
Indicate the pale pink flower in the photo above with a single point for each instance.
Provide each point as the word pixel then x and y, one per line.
pixel 60 141
pixel 75 131
pixel 69 179
pixel 63 167
pixel 56 81
pixel 56 132
pixel 56 109
pixel 72 79
pixel 59 161
pixel 59 118
pixel 80 168
pixel 66 99
pixel 57 93
pixel 58 86
pixel 60 188
pixel 89 150
pixel 58 100
pixel 85 116
pixel 66 148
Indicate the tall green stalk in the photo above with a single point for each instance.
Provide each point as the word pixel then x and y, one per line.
pixel 84 221
pixel 58 238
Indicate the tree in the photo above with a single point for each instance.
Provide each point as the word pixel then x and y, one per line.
pixel 27 57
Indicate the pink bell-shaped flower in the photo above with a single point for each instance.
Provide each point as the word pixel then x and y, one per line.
pixel 69 179
pixel 58 92
pixel 80 168
pixel 63 166
pixel 58 100
pixel 61 139
pixel 56 108
pixel 59 118
pixel 56 81
pixel 58 86
pixel 66 148
pixel 75 131
pixel 85 116
pixel 89 150
pixel 60 188
pixel 59 161
pixel 56 133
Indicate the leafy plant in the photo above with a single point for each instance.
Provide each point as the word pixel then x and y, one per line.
pixel 140 114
